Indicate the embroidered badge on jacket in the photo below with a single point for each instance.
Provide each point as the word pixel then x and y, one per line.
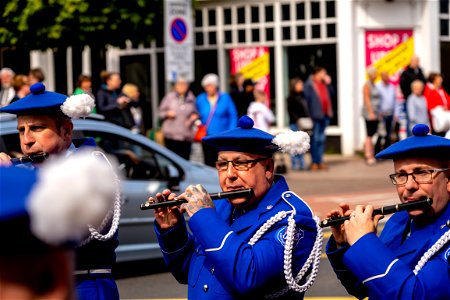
pixel 282 234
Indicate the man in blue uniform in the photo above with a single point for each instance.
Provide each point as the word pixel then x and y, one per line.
pixel 36 258
pixel 45 126
pixel 410 260
pixel 243 248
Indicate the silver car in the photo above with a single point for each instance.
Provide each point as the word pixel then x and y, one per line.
pixel 147 168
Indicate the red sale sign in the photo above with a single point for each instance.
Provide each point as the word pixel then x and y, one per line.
pixel 253 63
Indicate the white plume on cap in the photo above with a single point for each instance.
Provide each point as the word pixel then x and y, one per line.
pixel 292 142
pixel 71 193
pixel 78 106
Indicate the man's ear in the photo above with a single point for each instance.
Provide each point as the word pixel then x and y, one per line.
pixel 67 128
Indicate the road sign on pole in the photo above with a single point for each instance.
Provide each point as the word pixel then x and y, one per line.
pixel 179 42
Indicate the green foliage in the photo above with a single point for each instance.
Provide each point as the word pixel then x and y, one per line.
pixel 42 24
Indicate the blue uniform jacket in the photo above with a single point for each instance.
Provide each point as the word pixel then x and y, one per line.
pixel 216 260
pixel 225 116
pixel 382 268
pixel 96 255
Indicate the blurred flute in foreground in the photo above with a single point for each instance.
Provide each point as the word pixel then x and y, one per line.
pixel 214 196
pixel 385 210
pixel 33 158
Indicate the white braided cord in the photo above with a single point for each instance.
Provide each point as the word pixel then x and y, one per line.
pixel 114 213
pixel 444 239
pixel 266 226
pixel 314 257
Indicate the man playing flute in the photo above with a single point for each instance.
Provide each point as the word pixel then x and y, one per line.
pixel 44 122
pixel 237 248
pixel 410 259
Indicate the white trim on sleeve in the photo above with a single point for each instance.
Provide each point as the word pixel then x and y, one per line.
pixel 381 275
pixel 221 245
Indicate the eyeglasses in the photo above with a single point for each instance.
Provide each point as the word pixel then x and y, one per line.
pixel 240 165
pixel 419 176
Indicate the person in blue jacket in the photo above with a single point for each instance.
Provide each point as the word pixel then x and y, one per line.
pixel 45 126
pixel 410 260
pixel 247 247
pixel 217 112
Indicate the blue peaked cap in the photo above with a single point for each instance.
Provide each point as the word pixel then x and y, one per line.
pixel 39 101
pixel 420 144
pixel 244 138
pixel 15 186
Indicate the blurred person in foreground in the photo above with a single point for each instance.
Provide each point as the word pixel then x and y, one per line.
pixel 7 90
pixel 318 92
pixel 178 114
pixel 410 260
pixel 217 112
pixel 45 126
pixel 21 87
pixel 371 96
pixel 248 247
pixel 42 217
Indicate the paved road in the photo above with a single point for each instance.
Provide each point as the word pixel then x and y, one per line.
pixel 348 179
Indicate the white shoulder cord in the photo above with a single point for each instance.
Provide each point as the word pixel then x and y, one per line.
pixel 115 212
pixel 314 257
pixel 444 239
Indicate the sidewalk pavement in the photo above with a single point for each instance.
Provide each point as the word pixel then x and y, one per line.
pixel 348 180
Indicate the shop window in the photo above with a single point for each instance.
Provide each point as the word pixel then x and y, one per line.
pixel 285 12
pixel 315 10
pixel 255 14
pixel 198 18
pixel 255 35
pixel 444 28
pixel 241 36
pixel 212 38
pixel 227 16
pixel 331 30
pixel 228 37
pixel 444 6
pixel 269 13
pixel 212 17
pixel 241 15
pixel 300 9
pixel 315 31
pixel 269 34
pixel 286 33
pixel 330 9
pixel 199 38
pixel 301 35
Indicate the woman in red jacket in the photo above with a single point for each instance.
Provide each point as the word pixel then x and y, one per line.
pixel 436 95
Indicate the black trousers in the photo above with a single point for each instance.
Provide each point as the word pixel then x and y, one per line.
pixel 182 148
